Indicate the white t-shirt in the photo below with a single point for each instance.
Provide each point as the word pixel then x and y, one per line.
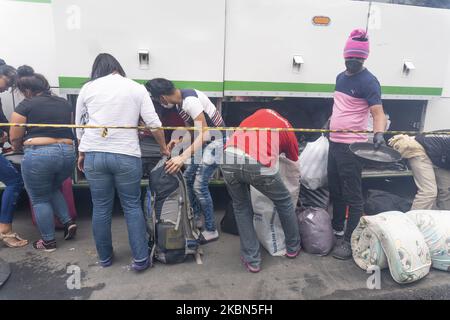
pixel 117 101
pixel 194 106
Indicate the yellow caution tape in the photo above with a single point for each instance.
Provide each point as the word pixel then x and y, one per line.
pixel 301 130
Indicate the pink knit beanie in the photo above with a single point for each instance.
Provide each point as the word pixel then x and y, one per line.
pixel 357 45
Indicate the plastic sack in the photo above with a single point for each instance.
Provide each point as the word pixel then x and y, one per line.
pixel 316 231
pixel 319 198
pixel 379 201
pixel 314 164
pixel 435 227
pixel 266 220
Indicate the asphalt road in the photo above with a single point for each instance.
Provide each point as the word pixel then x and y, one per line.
pixel 37 275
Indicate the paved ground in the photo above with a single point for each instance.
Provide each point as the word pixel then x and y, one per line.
pixel 43 276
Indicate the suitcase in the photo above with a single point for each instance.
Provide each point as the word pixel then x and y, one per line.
pixel 67 192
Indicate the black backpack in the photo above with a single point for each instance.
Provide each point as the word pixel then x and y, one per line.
pixel 173 234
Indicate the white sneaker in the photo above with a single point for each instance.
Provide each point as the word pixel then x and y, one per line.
pixel 209 236
pixel 339 234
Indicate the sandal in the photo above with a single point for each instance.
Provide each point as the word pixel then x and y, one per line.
pixel 18 243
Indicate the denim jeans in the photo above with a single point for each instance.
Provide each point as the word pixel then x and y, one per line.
pixel 44 169
pixel 198 177
pixel 238 179
pixel 106 172
pixel 14 185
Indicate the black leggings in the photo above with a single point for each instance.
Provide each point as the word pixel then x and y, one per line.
pixel 345 183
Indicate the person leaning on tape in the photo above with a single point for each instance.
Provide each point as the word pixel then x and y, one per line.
pixel 429 159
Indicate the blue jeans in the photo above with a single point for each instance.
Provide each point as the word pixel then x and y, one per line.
pixel 106 172
pixel 14 185
pixel 238 179
pixel 44 169
pixel 198 176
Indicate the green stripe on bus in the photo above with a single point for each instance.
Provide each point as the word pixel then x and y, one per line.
pixel 78 82
pixel 278 86
pixel 35 1
pixel 322 88
pixel 416 91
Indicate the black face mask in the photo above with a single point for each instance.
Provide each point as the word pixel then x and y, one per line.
pixel 354 66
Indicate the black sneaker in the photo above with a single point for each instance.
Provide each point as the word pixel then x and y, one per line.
pixel 47 246
pixel 343 250
pixel 70 230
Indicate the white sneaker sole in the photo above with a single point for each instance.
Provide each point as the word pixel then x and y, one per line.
pixel 205 241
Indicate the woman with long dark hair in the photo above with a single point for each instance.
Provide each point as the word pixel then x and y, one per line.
pixel 8 173
pixel 49 154
pixel 113 162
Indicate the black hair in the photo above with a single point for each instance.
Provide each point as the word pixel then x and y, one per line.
pixel 160 87
pixel 104 65
pixel 2 62
pixel 27 79
pixel 8 72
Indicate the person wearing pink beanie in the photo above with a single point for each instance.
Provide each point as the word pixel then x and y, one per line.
pixel 358 93
pixel 357 45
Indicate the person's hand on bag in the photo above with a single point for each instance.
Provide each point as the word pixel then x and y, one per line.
pixel 175 164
